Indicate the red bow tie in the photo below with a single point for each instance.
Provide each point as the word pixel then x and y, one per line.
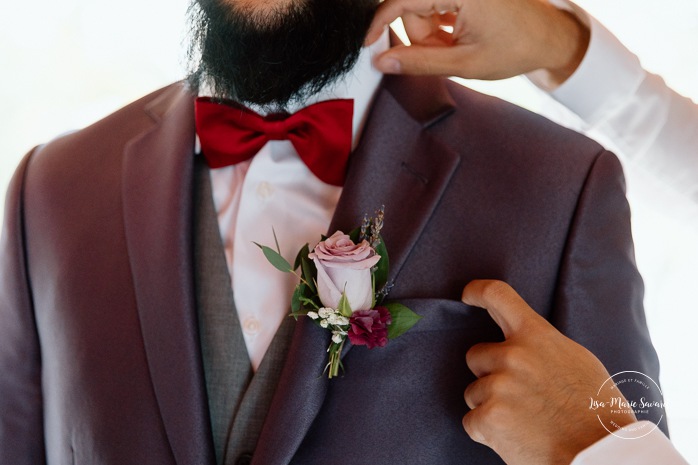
pixel 320 133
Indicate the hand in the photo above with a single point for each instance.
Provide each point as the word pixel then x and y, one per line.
pixel 491 39
pixel 531 401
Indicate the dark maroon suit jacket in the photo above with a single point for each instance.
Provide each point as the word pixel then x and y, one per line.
pixel 99 351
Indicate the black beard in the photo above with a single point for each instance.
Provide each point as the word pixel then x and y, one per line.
pixel 273 59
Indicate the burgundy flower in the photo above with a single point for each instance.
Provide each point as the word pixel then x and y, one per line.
pixel 369 327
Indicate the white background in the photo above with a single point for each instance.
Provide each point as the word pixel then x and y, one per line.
pixel 64 64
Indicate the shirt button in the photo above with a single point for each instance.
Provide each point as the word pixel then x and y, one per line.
pixel 251 326
pixel 264 190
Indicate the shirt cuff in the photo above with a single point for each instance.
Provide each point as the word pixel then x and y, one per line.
pixel 608 73
pixel 651 449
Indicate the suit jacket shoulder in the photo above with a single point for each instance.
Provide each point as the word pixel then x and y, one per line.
pixel 101 144
pixel 515 136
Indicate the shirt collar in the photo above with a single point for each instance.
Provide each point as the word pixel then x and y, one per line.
pixel 359 84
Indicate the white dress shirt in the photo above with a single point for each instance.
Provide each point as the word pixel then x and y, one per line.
pixel 276 191
pixel 632 111
pixel 652 449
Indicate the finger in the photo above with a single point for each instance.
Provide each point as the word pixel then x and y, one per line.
pixel 472 424
pixel 390 10
pixel 447 19
pixel 419 59
pixel 373 34
pixel 419 28
pixel 482 359
pixel 477 392
pixel 446 6
pixel 427 30
pixel 502 302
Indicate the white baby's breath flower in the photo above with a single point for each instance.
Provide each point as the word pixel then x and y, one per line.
pixel 324 323
pixel 337 338
pixel 336 319
pixel 313 315
pixel 324 312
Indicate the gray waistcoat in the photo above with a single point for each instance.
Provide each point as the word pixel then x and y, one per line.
pixel 238 399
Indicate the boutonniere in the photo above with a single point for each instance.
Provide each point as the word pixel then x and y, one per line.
pixel 342 284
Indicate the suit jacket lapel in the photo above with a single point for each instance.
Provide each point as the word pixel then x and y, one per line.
pixel 397 164
pixel 157 196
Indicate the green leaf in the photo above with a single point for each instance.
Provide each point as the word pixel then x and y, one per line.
pixel 275 259
pixel 301 254
pixel 403 319
pixel 296 299
pixel 354 235
pixel 309 270
pixel 382 267
pixel 276 241
pixel 373 286
pixel 343 306
pixel 311 302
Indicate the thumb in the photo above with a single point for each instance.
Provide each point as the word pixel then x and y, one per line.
pixel 419 59
pixel 501 301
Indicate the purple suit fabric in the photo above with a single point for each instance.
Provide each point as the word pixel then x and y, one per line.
pixel 100 360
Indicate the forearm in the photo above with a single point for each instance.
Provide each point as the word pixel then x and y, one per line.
pixel 654 128
pixel 633 111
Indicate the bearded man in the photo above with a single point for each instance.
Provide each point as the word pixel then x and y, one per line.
pixel 141 325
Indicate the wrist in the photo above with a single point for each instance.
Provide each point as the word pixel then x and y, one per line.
pixel 569 42
pixel 595 432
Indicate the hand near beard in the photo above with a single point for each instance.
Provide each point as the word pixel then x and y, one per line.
pixel 491 39
pixel 531 401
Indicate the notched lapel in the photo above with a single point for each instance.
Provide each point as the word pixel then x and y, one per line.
pixel 400 164
pixel 397 164
pixel 157 195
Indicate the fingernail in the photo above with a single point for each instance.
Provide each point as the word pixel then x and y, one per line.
pixel 390 65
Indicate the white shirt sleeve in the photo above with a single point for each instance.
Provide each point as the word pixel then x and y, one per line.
pixel 649 124
pixel 652 449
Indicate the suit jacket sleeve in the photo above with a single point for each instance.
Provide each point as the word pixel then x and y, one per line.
pixel 600 292
pixel 21 416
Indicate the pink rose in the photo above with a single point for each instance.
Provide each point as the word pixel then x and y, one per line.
pixel 343 266
pixel 370 327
